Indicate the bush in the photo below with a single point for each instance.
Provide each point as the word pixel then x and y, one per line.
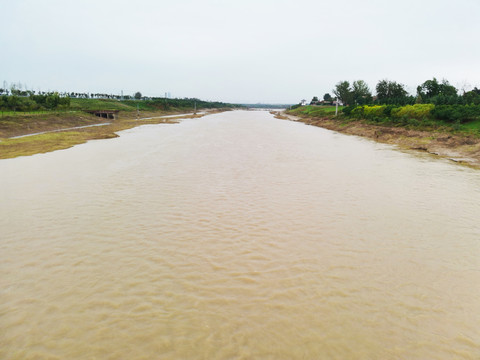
pixel 387 111
pixel 52 101
pixel 371 112
pixel 357 112
pixel 417 111
pixel 456 113
pixel 413 122
pixel 471 98
pixel 447 100
pixel 347 110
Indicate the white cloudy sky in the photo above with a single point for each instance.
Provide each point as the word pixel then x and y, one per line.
pixel 237 51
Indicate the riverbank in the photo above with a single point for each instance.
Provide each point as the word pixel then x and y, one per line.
pixel 461 148
pixel 39 133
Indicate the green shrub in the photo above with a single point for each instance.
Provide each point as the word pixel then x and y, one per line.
pixel 387 111
pixel 456 113
pixel 357 112
pixel 413 122
pixel 375 111
pixel 347 110
pixel 417 111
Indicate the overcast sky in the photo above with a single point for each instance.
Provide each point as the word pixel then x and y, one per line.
pixel 244 51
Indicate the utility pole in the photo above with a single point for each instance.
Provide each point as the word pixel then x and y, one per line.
pixel 336 107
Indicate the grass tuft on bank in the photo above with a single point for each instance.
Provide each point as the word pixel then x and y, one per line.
pixel 315 111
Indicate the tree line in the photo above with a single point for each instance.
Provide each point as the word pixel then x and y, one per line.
pixel 14 98
pixel 16 90
pixel 168 103
pixel 393 93
pixel 434 101
pixel 32 102
pixel 27 100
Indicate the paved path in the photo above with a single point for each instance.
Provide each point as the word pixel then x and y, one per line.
pixel 104 124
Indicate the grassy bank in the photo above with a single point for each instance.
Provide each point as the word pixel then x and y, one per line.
pixel 459 142
pixel 14 124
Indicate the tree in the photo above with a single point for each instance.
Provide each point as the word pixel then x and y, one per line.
pixel 447 90
pixel 138 95
pixel 361 93
pixel 13 101
pixel 433 92
pixel 343 92
pixel 428 89
pixel 391 92
pixel 327 97
pixel 52 100
pixel 314 100
pixel 472 97
pixel 65 101
pixel 431 88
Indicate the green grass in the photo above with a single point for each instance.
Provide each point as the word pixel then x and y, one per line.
pixel 472 125
pixel 99 104
pixel 129 105
pixel 40 143
pixel 157 104
pixel 16 114
pixel 316 111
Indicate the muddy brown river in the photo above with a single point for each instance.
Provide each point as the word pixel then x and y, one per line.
pixel 238 236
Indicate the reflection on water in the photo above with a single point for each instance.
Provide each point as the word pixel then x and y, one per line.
pixel 238 236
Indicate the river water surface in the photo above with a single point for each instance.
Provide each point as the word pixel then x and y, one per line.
pixel 238 236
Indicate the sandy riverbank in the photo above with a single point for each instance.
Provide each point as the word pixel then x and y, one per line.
pixel 29 136
pixel 455 147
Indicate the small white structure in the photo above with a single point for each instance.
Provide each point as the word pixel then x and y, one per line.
pixel 303 102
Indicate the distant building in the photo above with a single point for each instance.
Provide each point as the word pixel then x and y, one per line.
pixel 303 102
